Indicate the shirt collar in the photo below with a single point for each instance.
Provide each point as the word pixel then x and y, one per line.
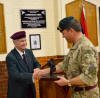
pixel 21 53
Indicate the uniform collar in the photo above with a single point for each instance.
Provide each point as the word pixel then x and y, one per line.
pixel 75 46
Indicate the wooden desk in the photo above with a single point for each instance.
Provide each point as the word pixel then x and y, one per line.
pixel 48 89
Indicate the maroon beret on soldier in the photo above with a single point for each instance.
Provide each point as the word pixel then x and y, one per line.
pixel 18 35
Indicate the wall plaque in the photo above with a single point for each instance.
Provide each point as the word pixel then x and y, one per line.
pixel 33 18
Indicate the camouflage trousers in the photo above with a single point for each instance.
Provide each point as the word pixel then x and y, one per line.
pixel 93 93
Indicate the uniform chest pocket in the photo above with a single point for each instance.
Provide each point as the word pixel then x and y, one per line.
pixel 73 57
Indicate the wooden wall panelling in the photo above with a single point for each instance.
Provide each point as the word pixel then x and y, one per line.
pixel 74 9
pixel 2 31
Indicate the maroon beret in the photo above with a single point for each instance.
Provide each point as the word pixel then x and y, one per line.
pixel 18 35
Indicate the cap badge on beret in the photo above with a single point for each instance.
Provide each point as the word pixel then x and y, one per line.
pixel 58 28
pixel 18 35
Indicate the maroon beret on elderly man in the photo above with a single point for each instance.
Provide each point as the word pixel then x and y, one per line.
pixel 18 35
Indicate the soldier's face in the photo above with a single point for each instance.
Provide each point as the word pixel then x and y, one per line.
pixel 67 34
pixel 20 44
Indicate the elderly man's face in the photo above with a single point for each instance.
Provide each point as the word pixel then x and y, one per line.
pixel 20 44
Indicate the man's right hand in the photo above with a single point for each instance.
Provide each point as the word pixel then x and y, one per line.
pixel 41 73
pixel 38 74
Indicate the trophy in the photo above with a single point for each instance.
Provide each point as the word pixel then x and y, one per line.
pixel 52 66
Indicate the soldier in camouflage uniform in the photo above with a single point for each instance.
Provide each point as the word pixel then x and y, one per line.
pixel 82 61
pixel 80 64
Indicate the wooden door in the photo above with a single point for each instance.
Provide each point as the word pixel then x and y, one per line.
pixel 2 31
pixel 74 9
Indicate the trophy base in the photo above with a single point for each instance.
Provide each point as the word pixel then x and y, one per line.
pixel 50 77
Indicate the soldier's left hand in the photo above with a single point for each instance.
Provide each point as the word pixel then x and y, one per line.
pixel 62 81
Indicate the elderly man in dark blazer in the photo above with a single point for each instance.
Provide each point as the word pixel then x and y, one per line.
pixel 21 65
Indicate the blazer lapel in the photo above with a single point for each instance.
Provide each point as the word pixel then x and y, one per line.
pixel 28 60
pixel 20 60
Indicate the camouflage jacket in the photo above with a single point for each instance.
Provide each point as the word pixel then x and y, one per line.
pixel 82 60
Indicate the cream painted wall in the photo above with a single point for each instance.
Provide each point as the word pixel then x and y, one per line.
pixel 13 24
pixel 51 39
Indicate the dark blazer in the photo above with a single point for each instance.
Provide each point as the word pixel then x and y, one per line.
pixel 19 78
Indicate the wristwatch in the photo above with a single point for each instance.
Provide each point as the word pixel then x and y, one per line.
pixel 69 83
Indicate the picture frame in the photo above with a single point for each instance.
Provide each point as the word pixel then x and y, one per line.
pixel 35 41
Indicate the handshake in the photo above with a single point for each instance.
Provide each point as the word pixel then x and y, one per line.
pixel 39 73
pixel 60 80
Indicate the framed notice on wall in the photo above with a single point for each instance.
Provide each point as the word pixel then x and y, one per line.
pixel 35 41
pixel 33 18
